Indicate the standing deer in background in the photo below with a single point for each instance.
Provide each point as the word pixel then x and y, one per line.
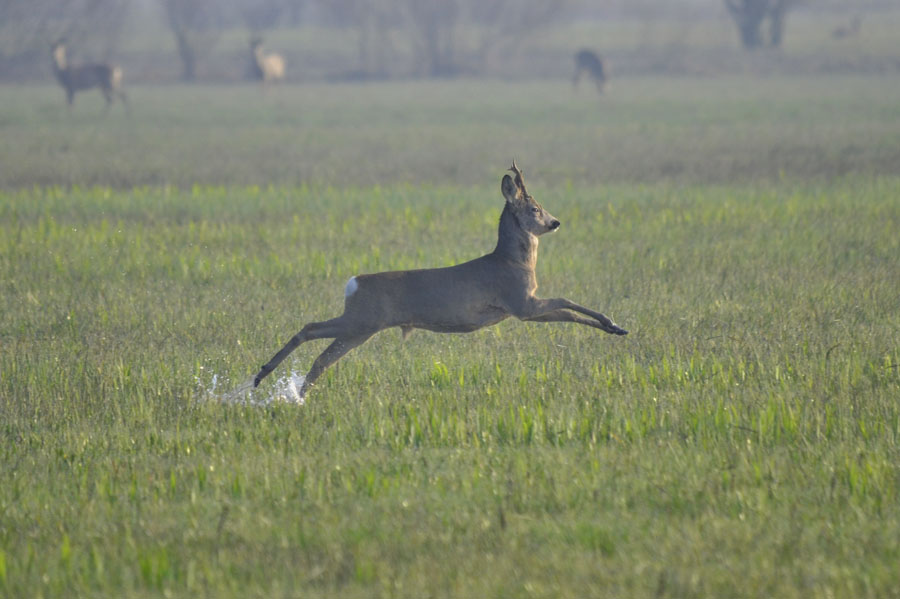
pixel 268 68
pixel 844 31
pixel 587 61
pixel 456 299
pixel 74 78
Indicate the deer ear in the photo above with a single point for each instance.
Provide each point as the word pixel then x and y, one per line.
pixel 510 191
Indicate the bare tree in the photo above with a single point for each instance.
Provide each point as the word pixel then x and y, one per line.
pixel 195 25
pixel 432 28
pixel 259 15
pixel 777 14
pixel 748 15
pixel 447 37
pixel 751 15
pixel 435 25
pixel 373 21
pixel 501 22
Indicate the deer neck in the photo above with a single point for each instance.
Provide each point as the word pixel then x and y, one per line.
pixel 514 243
pixel 59 62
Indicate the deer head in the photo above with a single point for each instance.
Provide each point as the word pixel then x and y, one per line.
pixel 530 215
pixel 58 49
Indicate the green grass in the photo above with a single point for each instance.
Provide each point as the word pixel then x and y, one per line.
pixel 684 130
pixel 742 441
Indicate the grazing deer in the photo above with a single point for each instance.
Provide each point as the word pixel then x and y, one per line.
pixel 456 299
pixel 268 68
pixel 844 31
pixel 587 61
pixel 87 76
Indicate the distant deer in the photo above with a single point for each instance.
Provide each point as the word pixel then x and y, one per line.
pixel 456 299
pixel 74 78
pixel 844 31
pixel 587 61
pixel 268 68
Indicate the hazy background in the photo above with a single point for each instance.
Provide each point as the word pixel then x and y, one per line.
pixel 164 41
pixel 448 91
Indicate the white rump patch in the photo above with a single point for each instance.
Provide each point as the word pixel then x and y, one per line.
pixel 351 287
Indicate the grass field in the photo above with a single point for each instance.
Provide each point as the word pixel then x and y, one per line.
pixel 727 130
pixel 742 441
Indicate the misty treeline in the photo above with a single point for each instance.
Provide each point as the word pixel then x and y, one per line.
pixel 760 22
pixel 444 37
pixel 386 38
pixel 431 28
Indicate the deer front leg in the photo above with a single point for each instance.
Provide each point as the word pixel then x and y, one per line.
pixel 565 316
pixel 540 307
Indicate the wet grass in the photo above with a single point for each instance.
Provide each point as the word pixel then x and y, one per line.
pixel 742 441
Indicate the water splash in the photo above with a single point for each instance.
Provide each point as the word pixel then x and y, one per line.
pixel 238 393
pixel 286 389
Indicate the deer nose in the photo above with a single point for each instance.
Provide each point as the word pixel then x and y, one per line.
pixel 554 225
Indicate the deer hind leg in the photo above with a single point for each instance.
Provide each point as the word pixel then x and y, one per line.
pixel 108 96
pixel 119 93
pixel 332 354
pixel 315 330
pixel 125 103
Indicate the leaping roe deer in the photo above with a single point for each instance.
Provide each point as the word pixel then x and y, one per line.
pixel 74 78
pixel 456 299
pixel 268 68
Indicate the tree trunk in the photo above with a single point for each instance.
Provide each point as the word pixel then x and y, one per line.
pixel 186 54
pixel 751 37
pixel 776 22
pixel 749 15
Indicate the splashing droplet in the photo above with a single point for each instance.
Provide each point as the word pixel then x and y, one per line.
pixel 287 389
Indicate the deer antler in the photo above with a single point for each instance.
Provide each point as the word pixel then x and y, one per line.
pixel 520 180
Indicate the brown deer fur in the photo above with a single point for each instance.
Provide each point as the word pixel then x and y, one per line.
pixel 268 68
pixel 73 78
